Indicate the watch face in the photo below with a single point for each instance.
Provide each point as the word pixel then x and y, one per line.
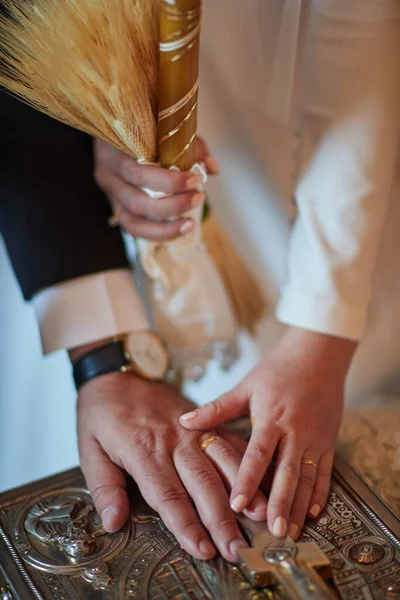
pixel 147 354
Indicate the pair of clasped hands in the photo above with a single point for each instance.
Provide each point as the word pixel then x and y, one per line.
pixel 149 431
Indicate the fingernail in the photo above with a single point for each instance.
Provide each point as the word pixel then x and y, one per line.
pixel 193 183
pixel 212 165
pixel 280 527
pixel 236 545
pixel 257 510
pixel 107 516
pixel 198 199
pixel 188 416
pixel 239 503
pixel 315 510
pixel 258 504
pixel 206 547
pixel 256 515
pixel 293 530
pixel 186 227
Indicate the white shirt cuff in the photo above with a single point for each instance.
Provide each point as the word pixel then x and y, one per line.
pixel 88 309
pixel 321 314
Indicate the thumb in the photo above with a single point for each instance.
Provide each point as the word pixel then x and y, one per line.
pixel 229 406
pixel 107 485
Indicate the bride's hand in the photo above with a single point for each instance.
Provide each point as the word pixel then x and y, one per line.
pixel 295 400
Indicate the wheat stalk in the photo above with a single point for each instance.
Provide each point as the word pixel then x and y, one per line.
pixel 92 65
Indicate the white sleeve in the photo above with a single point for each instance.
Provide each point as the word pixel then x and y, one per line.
pixel 88 309
pixel 351 135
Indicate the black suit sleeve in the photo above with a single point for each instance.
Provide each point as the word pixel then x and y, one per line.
pixel 53 217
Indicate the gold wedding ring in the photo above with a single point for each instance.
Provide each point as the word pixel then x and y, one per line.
pixel 114 220
pixel 308 461
pixel 207 441
pixel 252 421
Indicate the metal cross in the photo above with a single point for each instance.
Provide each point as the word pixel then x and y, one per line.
pixel 299 569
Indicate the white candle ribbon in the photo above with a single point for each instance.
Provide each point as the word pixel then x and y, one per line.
pixel 190 306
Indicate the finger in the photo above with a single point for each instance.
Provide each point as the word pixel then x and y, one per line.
pixel 203 155
pixel 322 485
pixel 226 459
pixel 161 488
pixel 106 484
pixel 255 462
pixel 227 407
pixel 284 486
pixel 240 445
pixel 140 204
pixel 151 176
pixel 206 488
pixel 153 230
pixel 305 487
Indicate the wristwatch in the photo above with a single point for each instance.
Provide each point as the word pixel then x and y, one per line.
pixel 141 352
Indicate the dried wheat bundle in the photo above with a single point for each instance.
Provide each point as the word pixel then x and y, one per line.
pixel 92 64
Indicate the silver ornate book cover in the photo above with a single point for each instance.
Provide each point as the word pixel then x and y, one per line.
pixel 52 546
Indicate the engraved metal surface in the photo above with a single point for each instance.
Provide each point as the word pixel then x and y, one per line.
pixel 52 546
pixel 5 591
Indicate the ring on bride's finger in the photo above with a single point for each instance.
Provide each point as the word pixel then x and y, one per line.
pixel 206 441
pixel 308 461
pixel 252 421
pixel 114 220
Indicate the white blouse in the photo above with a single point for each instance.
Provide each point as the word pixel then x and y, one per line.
pixel 312 88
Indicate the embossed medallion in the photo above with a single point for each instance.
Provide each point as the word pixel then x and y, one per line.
pixel 367 553
pixel 60 532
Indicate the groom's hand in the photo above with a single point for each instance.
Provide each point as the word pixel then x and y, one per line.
pixel 127 425
pixel 123 179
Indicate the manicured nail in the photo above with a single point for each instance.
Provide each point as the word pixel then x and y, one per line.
pixel 257 510
pixel 315 510
pixel 258 504
pixel 186 227
pixel 256 515
pixel 107 516
pixel 193 182
pixel 198 199
pixel 239 503
pixel 212 165
pixel 236 545
pixel 280 527
pixel 188 416
pixel 206 547
pixel 293 530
